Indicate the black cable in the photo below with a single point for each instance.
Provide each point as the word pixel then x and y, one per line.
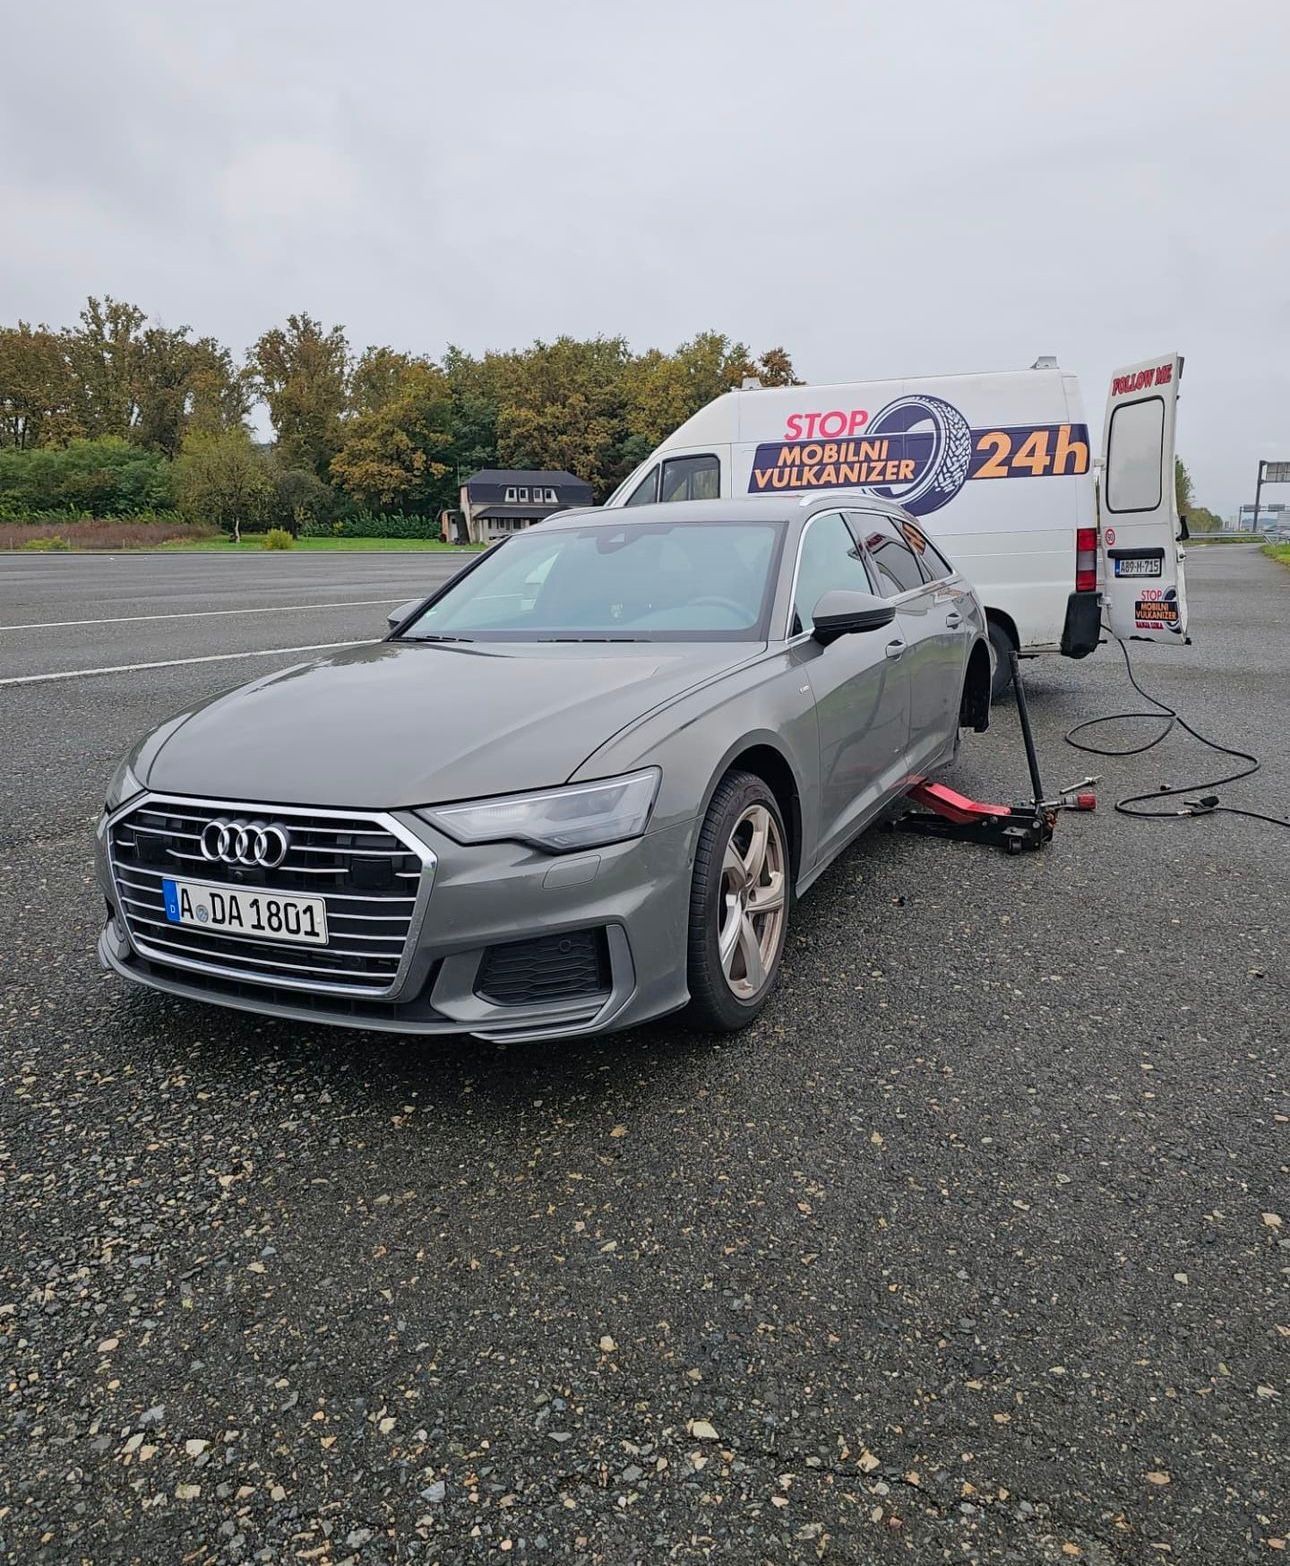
pixel 1207 804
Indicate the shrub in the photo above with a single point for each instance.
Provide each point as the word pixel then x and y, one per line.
pixel 278 538
pixel 47 543
pixel 379 524
pixel 102 478
pixel 322 530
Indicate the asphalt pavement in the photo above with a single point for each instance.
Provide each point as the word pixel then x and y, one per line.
pixel 973 1248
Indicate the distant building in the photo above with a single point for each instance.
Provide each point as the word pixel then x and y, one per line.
pixel 497 501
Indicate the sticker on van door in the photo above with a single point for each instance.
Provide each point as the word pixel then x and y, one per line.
pixel 918 450
pixel 1157 609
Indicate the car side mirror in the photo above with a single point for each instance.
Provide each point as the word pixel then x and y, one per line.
pixel 842 612
pixel 397 618
pixel 1184 532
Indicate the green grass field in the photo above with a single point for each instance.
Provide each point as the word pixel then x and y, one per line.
pixel 254 543
pixel 1279 552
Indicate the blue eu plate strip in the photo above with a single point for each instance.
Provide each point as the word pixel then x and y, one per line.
pixel 172 900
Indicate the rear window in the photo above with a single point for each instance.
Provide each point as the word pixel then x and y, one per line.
pixel 1134 447
pixel 898 569
pixel 935 566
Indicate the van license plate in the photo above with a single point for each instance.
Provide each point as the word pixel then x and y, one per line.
pixel 246 912
pixel 1138 567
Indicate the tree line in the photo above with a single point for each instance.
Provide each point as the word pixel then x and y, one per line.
pixel 1200 519
pixel 118 415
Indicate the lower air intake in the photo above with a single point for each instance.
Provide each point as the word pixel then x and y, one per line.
pixel 550 968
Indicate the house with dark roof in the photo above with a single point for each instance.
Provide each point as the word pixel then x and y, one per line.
pixel 496 501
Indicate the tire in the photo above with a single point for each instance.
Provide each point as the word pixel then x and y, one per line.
pixel 1003 644
pixel 728 991
pixel 947 470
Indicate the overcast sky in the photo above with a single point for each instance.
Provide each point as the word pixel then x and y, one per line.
pixel 884 189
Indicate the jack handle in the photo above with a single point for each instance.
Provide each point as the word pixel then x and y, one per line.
pixel 1023 713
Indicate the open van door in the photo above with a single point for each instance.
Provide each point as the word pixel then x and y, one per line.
pixel 1143 588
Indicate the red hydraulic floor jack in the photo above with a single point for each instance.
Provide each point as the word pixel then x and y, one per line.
pixel 942 812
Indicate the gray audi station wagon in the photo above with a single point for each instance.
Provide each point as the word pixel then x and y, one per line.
pixel 578 787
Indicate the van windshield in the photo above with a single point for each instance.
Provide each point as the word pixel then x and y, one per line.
pixel 648 582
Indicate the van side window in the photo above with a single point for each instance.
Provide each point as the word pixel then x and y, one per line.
pixel 898 569
pixel 646 491
pixel 828 557
pixel 691 478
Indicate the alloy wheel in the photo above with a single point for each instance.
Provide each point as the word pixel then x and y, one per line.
pixel 750 910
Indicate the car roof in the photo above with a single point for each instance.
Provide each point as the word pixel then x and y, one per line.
pixel 740 508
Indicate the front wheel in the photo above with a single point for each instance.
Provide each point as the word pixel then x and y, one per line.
pixel 739 905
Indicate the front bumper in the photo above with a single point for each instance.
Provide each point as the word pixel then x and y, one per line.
pixel 635 895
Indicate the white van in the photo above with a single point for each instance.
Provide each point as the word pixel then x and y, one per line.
pixel 999 468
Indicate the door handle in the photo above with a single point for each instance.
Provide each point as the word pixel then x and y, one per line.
pixel 953 618
pixel 894 649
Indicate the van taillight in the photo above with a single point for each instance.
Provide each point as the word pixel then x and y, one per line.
pixel 1086 560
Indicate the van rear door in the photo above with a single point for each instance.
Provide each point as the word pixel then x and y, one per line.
pixel 1143 588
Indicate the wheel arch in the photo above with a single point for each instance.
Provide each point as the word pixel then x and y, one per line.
pixel 974 708
pixel 1003 629
pixel 764 758
pixel 1006 623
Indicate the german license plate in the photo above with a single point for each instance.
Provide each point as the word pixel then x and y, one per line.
pixel 246 911
pixel 1137 567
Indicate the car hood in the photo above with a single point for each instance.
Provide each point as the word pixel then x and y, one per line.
pixel 403 723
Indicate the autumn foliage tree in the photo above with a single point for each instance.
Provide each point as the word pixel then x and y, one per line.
pixel 387 429
pixel 302 372
pixel 565 406
pixel 113 377
pixel 393 453
pixel 37 388
pixel 664 389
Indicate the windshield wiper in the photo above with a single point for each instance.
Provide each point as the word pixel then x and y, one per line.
pixel 431 637
pixel 591 638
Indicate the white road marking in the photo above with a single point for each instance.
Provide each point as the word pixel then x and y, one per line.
pixel 172 663
pixel 198 614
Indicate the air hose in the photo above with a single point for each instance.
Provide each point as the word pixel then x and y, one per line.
pixel 1204 802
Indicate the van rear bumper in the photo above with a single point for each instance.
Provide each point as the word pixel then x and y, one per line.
pixel 1083 628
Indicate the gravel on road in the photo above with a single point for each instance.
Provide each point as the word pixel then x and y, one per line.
pixel 973 1248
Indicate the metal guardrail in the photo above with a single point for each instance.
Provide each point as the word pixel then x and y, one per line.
pixel 1228 538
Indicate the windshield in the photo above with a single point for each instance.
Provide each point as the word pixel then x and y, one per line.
pixel 651 582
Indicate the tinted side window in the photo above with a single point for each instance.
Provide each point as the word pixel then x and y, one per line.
pixel 691 478
pixel 645 491
pixel 828 559
pixel 897 565
pixel 935 566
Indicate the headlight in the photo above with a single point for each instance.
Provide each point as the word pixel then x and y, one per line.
pixel 559 820
pixel 124 785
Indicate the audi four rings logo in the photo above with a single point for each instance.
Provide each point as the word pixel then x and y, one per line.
pixel 245 843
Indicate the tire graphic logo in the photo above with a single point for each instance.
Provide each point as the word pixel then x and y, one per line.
pixel 939 436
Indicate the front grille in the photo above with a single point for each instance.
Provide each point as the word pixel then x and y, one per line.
pixel 411 1012
pixel 367 870
pixel 551 968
